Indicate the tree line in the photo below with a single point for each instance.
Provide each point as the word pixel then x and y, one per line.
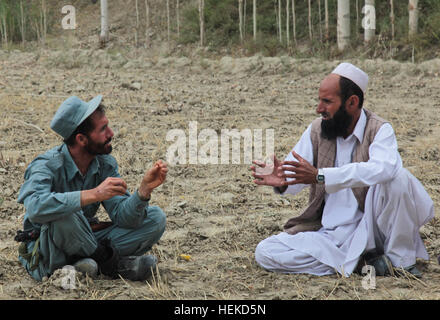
pixel 340 22
pixel 282 23
pixel 22 20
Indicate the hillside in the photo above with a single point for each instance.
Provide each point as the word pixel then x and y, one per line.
pixel 128 29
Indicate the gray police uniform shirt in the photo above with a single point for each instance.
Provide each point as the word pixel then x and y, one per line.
pixel 53 185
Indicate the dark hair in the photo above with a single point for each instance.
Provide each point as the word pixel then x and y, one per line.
pixel 85 127
pixel 349 88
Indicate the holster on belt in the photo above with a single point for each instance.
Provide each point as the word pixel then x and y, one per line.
pixel 97 225
pixel 25 237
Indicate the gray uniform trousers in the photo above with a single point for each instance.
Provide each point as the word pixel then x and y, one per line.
pixel 73 236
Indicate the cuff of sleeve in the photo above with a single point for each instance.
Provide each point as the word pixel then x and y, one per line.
pixel 74 200
pixel 331 179
pixel 138 203
pixel 141 198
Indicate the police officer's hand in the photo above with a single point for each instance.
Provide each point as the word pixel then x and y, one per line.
pixel 109 188
pixel 153 178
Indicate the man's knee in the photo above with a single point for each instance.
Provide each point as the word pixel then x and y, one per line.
pixel 154 224
pixel 158 217
pixel 399 184
pixel 73 235
pixel 261 253
pixel 70 225
pixel 143 238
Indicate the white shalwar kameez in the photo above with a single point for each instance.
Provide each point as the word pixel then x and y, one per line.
pixel 396 207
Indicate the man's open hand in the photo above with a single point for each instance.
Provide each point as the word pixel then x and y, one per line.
pixel 302 171
pixel 153 178
pixel 268 174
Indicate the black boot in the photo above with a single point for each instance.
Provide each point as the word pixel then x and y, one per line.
pixel 107 258
pixel 137 268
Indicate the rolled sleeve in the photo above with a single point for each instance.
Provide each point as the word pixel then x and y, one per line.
pixel 127 211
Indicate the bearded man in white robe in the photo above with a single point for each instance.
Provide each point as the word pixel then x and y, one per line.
pixel 364 207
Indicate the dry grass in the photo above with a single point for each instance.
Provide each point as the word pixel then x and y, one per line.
pixel 215 214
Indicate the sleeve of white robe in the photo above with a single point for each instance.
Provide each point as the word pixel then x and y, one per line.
pixel 383 165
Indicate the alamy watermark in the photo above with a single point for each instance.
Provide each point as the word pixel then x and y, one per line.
pixel 369 20
pixel 69 20
pixel 69 278
pixel 212 147
pixel 369 281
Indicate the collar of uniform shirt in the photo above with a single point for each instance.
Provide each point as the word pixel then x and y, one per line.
pixel 71 166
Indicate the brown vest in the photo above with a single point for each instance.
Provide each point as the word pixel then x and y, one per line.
pixel 324 154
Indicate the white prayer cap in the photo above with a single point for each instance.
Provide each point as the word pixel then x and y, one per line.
pixel 353 73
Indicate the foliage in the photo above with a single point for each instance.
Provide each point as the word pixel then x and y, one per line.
pixel 221 20
pixel 23 20
pixel 222 27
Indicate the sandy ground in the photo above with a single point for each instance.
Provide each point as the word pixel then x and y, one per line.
pixel 216 215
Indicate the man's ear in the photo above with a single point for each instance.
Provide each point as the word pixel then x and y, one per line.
pixel 81 139
pixel 352 103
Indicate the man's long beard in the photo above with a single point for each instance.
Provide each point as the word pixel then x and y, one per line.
pixel 95 149
pixel 337 126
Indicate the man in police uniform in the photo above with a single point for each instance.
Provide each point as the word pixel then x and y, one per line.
pixel 63 190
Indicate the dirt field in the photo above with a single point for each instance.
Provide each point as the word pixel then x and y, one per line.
pixel 215 213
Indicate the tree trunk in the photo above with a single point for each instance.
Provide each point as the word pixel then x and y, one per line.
pixel 343 24
pixel 310 20
pixel 392 19
pixel 320 20
pixel 168 22
pixel 254 13
pixel 275 2
pixel 287 22
pixel 38 31
pixel 244 18
pixel 294 21
pixel 22 22
pixel 147 23
pixel 370 20
pixel 202 21
pixel 178 18
pixel 2 33
pixel 279 21
pixel 44 20
pixel 3 27
pixel 357 18
pixel 327 34
pixel 240 15
pixel 136 33
pixel 104 24
pixel 413 17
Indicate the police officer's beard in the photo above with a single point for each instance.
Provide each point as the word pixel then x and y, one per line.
pixel 94 148
pixel 338 125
